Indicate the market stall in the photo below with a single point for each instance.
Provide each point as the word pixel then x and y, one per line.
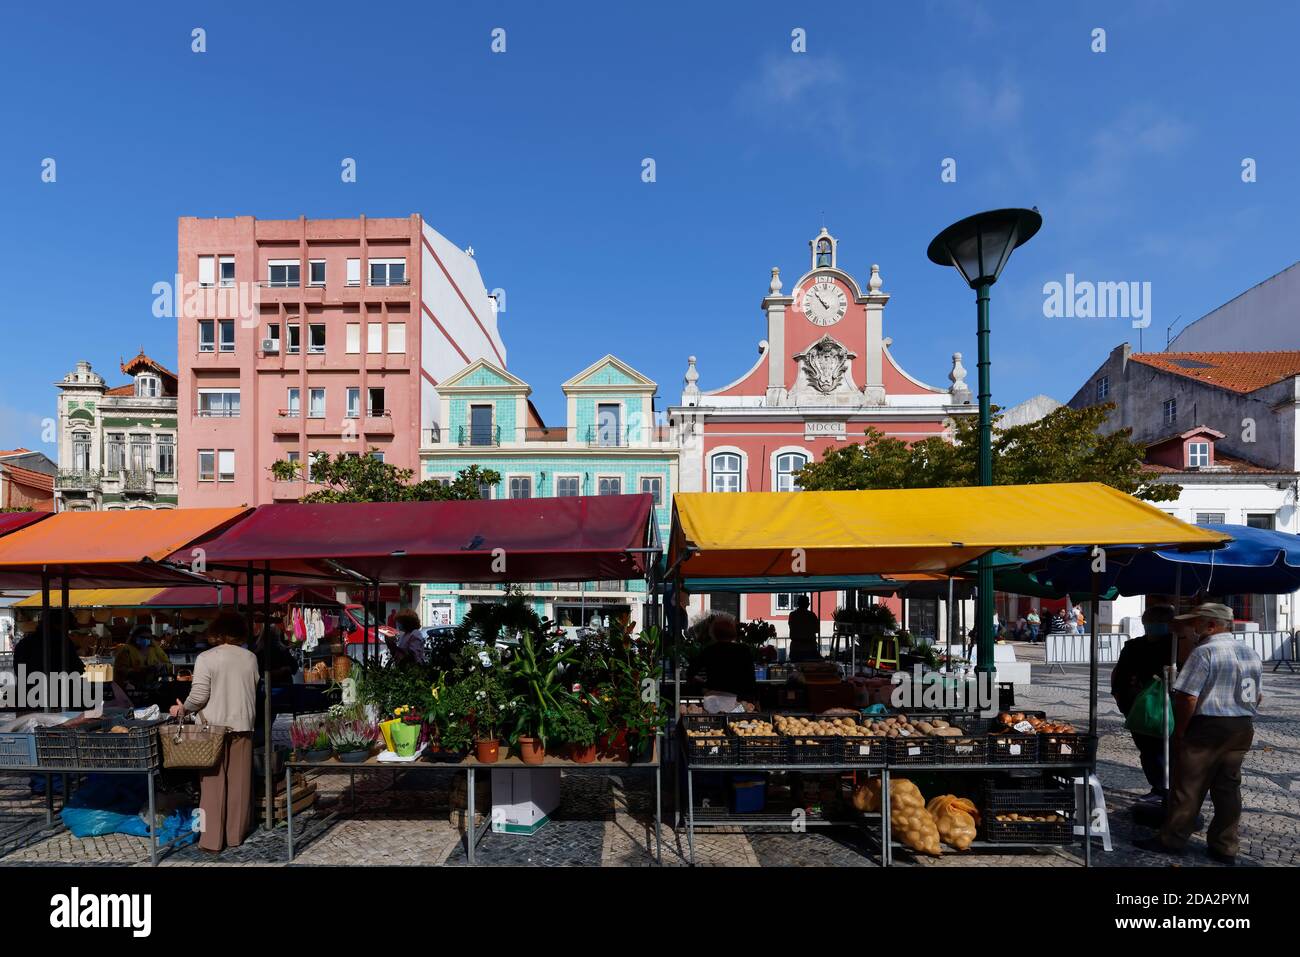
pixel 908 532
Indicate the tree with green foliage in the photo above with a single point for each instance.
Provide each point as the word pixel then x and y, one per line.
pixel 1063 446
pixel 364 478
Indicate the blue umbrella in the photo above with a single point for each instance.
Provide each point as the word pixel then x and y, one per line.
pixel 1257 561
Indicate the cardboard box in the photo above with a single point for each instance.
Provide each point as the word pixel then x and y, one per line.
pixel 522 801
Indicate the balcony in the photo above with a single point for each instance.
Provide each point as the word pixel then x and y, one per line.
pixel 77 480
pixel 377 423
pixel 138 482
pixel 608 438
pixel 479 436
pixel 287 422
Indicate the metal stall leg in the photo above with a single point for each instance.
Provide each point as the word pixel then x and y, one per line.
pixel 153 823
pixel 690 815
pixel 886 832
pixel 470 826
pixel 659 843
pixel 1087 818
pixel 288 806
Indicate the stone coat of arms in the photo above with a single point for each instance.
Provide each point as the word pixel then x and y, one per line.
pixel 824 364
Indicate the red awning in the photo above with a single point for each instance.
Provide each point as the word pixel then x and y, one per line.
pixel 205 596
pixel 584 538
pixel 12 521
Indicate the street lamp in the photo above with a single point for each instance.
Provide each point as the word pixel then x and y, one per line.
pixel 978 247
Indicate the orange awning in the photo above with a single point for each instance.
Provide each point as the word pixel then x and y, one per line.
pixel 94 549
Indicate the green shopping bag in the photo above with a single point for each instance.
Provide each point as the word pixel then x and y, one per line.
pixel 1149 711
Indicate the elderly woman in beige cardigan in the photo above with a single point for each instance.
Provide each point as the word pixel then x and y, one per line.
pixel 225 690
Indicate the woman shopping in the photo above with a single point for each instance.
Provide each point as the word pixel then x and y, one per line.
pixel 224 689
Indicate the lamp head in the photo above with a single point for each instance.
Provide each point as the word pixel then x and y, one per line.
pixel 980 245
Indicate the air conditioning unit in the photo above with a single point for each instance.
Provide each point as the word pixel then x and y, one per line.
pixel 270 345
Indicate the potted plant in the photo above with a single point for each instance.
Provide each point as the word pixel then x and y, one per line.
pixel 353 739
pixel 407 731
pixel 310 739
pixel 535 672
pixel 477 703
pixel 574 726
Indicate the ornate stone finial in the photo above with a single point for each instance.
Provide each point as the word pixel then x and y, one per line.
pixel 875 282
pixel 774 287
pixel 958 375
pixel 762 346
pixel 691 378
pixel 469 251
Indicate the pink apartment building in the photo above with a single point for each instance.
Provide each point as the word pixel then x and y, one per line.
pixel 307 335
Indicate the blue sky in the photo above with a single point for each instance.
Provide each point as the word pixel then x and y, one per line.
pixel 534 158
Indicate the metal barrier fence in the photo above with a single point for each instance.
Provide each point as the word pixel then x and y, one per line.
pixel 1071 649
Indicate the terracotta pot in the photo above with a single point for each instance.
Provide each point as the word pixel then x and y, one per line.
pixel 531 750
pixel 582 753
pixel 487 752
pixel 613 746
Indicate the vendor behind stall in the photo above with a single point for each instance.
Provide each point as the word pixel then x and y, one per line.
pixel 44 650
pixel 140 658
pixel 727 666
pixel 805 632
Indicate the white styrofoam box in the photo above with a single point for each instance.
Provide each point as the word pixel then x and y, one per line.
pixel 522 801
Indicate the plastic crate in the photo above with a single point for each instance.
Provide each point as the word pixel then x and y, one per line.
pixel 1069 748
pixel 968 749
pixel 1012 748
pixel 1060 831
pixel 865 751
pixel 757 749
pixel 17 749
pixel 913 749
pixel 56 748
pixel 1030 795
pixel 95 747
pixel 815 748
pixel 717 747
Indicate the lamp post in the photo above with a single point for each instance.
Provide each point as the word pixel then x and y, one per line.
pixel 978 247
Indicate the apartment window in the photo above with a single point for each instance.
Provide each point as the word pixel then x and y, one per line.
pixel 725 472
pixel 354 272
pixel 387 272
pixel 1198 454
pixel 784 601
pixel 219 403
pixel 283 273
pixel 374 337
pixel 227 264
pixel 1103 388
pixel 273 335
pixel 227 328
pixel 397 337
pixel 521 486
pixel 484 490
pixel 354 402
pixel 609 485
pixel 316 338
pixel 608 415
pixel 316 272
pixel 207 335
pixel 81 451
pixel 568 486
pixel 316 404
pixel 1170 411
pixel 377 455
pixel 480 425
pixel 141 449
pixel 207 465
pixel 207 271
pixel 1210 518
pixel 443 480
pixel 148 386
pixel 655 486
pixel 166 455
pixel 1261 520
pixel 292 409
pixel 115 451
pixel 375 402
pixel 294 458
pixel 295 340
pixel 787 468
pixel 353 338
pixel 225 465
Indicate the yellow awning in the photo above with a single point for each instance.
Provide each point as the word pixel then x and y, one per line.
pixel 897 531
pixel 94 598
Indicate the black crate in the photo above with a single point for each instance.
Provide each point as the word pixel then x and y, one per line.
pixel 706 739
pixel 1012 748
pixel 56 748
pixel 757 749
pixel 967 749
pixel 1070 748
pixel 1029 832
pixel 95 747
pixel 814 749
pixel 995 724
pixel 864 750
pixel 1046 794
pixel 913 749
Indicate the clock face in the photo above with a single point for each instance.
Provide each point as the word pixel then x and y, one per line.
pixel 824 303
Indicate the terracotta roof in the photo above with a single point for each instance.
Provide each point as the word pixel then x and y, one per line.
pixel 128 389
pixel 1234 466
pixel 143 361
pixel 27 477
pixel 1235 371
pixel 7 452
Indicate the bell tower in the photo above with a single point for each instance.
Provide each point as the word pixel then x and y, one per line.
pixel 823 250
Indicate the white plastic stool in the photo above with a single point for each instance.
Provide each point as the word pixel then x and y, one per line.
pixel 1100 821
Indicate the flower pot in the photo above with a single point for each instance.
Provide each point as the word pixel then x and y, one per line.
pixel 386 729
pixel 354 757
pixel 613 745
pixel 531 750
pixel 317 755
pixel 487 752
pixel 406 738
pixel 582 753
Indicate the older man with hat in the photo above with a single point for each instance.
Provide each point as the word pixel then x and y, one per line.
pixel 1216 697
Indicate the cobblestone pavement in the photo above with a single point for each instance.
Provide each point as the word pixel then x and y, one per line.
pixel 394 818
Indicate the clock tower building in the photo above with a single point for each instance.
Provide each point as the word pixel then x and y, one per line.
pixel 824 375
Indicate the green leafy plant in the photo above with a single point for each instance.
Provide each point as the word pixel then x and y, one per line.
pixel 389 686
pixel 573 723
pixel 474 705
pixel 535 677
pixel 490 621
pixel 629 700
